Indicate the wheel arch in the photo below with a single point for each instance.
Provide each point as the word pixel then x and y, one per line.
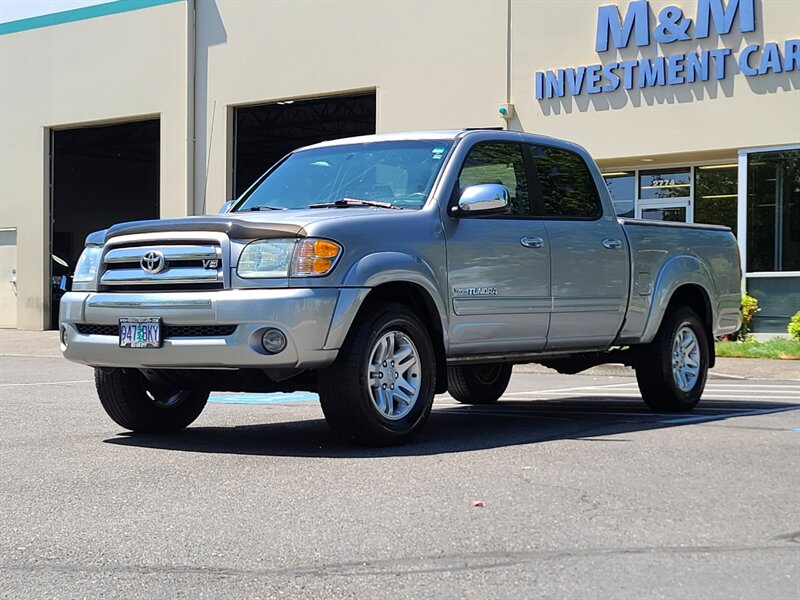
pixel 684 281
pixel 681 278
pixel 393 277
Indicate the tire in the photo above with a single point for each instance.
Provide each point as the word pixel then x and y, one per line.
pixel 675 383
pixel 355 391
pixel 136 404
pixel 478 384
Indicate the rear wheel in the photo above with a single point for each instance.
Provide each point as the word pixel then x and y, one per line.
pixel 673 368
pixel 138 404
pixel 478 384
pixel 380 389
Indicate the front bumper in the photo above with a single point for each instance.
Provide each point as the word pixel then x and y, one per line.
pixel 304 316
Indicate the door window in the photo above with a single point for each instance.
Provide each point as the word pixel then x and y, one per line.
pixel 496 162
pixel 665 194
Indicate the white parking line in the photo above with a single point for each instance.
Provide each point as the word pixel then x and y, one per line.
pixel 789 386
pixel 46 383
pixel 741 413
pixel 708 395
pixel 572 389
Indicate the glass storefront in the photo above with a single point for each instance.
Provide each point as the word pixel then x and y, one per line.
pixel 689 194
pixel 772 239
pixel 773 211
pixel 769 205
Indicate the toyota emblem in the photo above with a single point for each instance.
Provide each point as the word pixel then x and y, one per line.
pixel 153 262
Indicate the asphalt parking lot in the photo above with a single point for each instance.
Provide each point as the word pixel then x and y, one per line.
pixel 568 487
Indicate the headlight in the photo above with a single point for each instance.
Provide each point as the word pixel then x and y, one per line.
pixel 265 258
pixel 308 257
pixel 85 277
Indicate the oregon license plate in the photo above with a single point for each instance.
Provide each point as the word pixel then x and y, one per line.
pixel 140 332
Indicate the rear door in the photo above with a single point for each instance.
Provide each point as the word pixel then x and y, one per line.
pixel 499 265
pixel 588 251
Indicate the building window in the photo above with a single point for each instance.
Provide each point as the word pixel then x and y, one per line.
pixel 715 193
pixel 665 184
pixel 672 214
pixel 689 194
pixel 622 187
pixel 773 211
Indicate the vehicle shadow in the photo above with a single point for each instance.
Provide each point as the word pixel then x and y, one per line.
pixel 455 429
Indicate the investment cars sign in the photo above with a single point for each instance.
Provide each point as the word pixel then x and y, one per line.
pixel 614 31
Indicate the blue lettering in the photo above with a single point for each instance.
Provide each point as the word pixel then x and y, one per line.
pixel 719 61
pixel 771 59
pixel 744 60
pixel 539 85
pixel 613 78
pixel 555 83
pixel 651 72
pixel 675 67
pixel 671 26
pixel 697 65
pixel 595 76
pixel 723 16
pixel 637 19
pixel 627 67
pixel 575 80
pixel 791 55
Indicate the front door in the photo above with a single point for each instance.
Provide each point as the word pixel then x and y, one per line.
pixel 499 265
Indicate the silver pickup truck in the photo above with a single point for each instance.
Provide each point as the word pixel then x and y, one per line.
pixel 381 270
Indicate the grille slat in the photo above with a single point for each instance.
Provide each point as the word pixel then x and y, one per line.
pixel 177 265
pixel 167 331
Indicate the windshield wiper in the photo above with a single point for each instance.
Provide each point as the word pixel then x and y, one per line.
pixel 347 202
pixel 265 207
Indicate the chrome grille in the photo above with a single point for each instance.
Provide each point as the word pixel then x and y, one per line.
pixel 177 265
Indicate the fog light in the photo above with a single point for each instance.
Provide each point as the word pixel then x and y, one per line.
pixel 273 341
pixel 63 336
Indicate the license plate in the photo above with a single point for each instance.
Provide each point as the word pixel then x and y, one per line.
pixel 140 332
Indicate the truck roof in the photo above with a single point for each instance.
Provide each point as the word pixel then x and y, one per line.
pixel 447 134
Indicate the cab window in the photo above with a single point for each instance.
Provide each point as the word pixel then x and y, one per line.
pixel 564 184
pixel 498 162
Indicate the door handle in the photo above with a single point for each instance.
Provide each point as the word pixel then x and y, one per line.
pixel 532 242
pixel 612 244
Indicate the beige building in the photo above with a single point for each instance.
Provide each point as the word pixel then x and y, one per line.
pixel 162 108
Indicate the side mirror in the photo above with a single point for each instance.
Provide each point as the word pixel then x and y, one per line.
pixel 484 198
pixel 225 207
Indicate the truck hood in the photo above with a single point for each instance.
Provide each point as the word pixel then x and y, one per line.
pixel 238 225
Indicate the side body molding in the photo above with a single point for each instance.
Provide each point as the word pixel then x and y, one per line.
pixel 676 272
pixel 372 271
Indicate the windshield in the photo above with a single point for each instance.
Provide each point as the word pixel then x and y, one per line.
pixel 400 173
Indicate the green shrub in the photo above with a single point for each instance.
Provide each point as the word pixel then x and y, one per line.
pixel 748 310
pixel 794 327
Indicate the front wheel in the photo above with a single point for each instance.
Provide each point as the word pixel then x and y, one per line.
pixel 673 368
pixel 478 384
pixel 135 403
pixel 380 389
